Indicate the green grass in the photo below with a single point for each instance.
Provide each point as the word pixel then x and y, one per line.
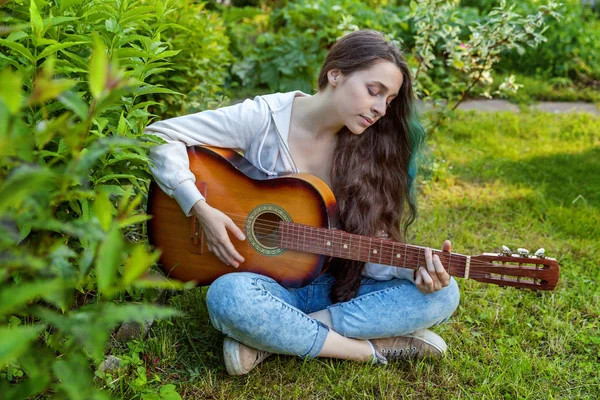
pixel 536 89
pixel 529 180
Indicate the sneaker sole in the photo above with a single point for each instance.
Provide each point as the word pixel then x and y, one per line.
pixel 233 364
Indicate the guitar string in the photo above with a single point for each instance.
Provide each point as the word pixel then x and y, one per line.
pixel 414 258
pixel 319 230
pixel 383 247
pixel 412 251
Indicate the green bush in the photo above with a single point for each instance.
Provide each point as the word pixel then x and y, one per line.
pixel 284 50
pixel 201 68
pixel 572 48
pixel 74 102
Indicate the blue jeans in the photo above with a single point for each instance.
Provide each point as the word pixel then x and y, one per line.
pixel 260 313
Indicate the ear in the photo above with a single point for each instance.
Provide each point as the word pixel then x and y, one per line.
pixel 334 77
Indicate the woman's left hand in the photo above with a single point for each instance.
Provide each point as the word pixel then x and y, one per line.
pixel 435 276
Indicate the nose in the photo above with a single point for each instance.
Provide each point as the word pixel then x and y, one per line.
pixel 379 108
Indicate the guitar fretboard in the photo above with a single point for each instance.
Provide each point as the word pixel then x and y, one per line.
pixel 337 243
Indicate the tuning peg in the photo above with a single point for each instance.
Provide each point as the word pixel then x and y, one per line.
pixel 506 251
pixel 540 253
pixel 523 252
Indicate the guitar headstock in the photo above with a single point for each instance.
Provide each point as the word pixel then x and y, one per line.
pixel 521 270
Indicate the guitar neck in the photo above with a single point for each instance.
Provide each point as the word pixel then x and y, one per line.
pixel 337 243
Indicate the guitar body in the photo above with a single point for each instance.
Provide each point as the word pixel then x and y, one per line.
pixel 256 203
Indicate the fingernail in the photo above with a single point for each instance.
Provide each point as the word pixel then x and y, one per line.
pixel 242 237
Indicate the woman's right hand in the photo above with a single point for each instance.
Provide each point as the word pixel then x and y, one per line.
pixel 215 225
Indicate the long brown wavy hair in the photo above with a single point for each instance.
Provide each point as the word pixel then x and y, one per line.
pixel 373 173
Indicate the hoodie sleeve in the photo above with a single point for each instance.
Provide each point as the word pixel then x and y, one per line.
pixel 382 272
pixel 230 127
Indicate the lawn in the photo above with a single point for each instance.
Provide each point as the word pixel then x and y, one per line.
pixel 523 180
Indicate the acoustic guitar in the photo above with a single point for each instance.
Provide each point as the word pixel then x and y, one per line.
pixel 289 222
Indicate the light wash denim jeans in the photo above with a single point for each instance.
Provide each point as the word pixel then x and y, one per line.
pixel 260 313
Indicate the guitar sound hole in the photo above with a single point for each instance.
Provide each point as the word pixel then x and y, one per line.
pixel 266 230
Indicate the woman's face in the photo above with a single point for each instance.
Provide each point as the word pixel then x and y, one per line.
pixel 362 97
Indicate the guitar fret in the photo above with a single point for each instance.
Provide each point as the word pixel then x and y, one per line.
pixel 304 239
pixel 393 254
pixel 370 240
pixel 350 245
pixel 405 247
pixel 359 240
pixel 380 249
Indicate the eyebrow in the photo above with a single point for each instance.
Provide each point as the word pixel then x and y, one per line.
pixel 381 85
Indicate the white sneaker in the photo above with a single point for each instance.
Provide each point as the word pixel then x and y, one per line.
pixel 417 345
pixel 239 358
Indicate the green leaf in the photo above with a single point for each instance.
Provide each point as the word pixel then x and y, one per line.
pixel 66 4
pixel 98 67
pixel 135 219
pixel 154 89
pixel 11 91
pixel 19 48
pixel 56 47
pixel 48 89
pixel 15 341
pixel 17 35
pixel 74 103
pixel 167 392
pixel 73 372
pixel 37 24
pixel 130 52
pixel 96 150
pixel 103 209
pixel 144 12
pixel 22 183
pixel 110 256
pixel 122 126
pixel 139 262
pixel 53 21
pixel 15 296
pixel 115 177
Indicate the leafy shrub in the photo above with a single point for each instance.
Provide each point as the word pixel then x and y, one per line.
pixel 285 51
pixel 201 66
pixel 572 48
pixel 72 181
pixel 454 64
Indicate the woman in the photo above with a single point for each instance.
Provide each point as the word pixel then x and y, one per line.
pixel 358 134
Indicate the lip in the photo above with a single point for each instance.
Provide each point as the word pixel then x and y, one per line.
pixel 367 121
